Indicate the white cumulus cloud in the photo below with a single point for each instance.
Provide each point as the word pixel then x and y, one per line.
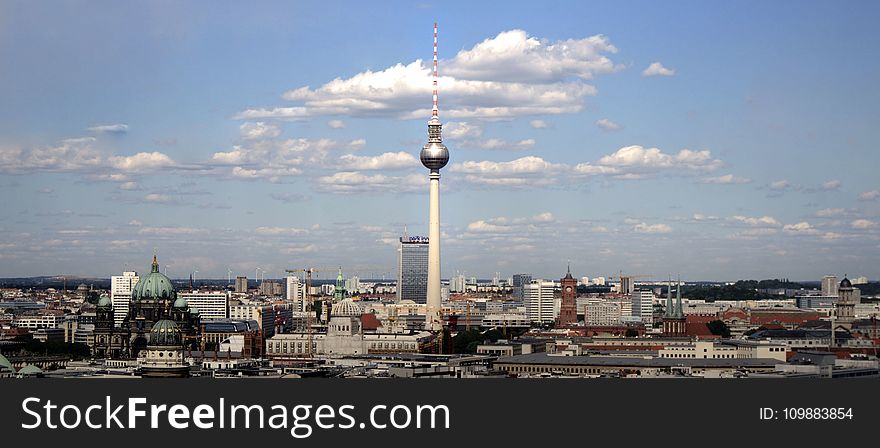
pixel 119 128
pixel 538 124
pixel 872 195
pixel 258 130
pixel 863 224
pixel 726 179
pixel 657 69
pixel 529 170
pixel 651 228
pixel 512 74
pixel 762 221
pixel 385 161
pixel 142 161
pixel 801 228
pixel 607 125
pixel 354 181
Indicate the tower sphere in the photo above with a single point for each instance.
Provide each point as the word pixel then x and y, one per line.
pixel 434 155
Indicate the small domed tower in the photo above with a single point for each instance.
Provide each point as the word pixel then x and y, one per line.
pixel 845 306
pixel 345 319
pixel 164 353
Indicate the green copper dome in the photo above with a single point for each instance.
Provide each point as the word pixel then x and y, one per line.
pixel 154 286
pixel 180 303
pixel 165 332
pixel 4 363
pixel 104 301
pixel 30 369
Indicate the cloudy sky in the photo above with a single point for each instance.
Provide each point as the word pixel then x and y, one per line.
pixel 720 141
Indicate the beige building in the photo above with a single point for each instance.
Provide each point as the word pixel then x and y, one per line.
pixel 344 336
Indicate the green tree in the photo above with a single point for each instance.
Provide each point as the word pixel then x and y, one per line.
pixel 719 328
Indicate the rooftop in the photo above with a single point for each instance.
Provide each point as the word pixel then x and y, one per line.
pixel 616 361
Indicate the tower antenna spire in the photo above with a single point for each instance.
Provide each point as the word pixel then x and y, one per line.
pixel 434 109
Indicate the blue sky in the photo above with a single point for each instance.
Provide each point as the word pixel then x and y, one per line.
pixel 720 141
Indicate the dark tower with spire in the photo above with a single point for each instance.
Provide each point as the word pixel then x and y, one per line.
pixel 674 320
pixel 568 308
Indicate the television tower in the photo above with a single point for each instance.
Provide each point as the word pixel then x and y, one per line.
pixel 434 156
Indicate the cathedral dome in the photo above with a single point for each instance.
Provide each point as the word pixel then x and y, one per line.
pixel 165 332
pixel 154 286
pixel 345 308
pixel 845 283
pixel 104 301
pixel 180 303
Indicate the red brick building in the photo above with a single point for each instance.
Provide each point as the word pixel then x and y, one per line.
pixel 568 308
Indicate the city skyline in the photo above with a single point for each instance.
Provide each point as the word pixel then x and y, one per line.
pixel 735 143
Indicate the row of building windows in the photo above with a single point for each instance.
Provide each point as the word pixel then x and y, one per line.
pixel 282 347
pixel 393 345
pixel 552 369
pixel 298 347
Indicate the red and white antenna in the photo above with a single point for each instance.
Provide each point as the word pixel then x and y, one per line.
pixel 434 111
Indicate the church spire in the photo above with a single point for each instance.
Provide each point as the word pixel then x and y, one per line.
pixel 679 312
pixel 339 292
pixel 669 306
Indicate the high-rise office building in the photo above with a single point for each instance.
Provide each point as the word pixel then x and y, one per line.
pixel 626 286
pixel 211 305
pixel 540 301
pixel 241 284
pixel 412 269
pixel 829 285
pixel 270 288
pixel 602 312
pixel 120 294
pixel 295 293
pixel 519 281
pixel 458 283
pixel 353 284
pixel 643 305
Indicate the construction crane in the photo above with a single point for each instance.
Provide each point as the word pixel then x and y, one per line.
pixel 309 298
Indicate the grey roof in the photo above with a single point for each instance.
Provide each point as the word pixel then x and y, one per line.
pixel 799 334
pixel 229 325
pixel 619 361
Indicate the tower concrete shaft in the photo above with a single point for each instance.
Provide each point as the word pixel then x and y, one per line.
pixel 433 318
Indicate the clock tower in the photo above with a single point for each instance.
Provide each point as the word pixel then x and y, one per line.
pixel 568 308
